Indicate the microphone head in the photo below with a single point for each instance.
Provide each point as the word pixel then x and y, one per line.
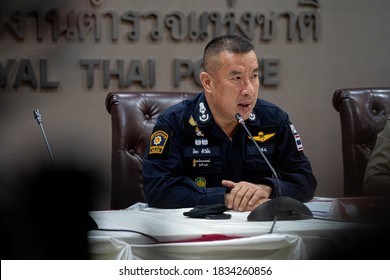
pixel 37 115
pixel 239 118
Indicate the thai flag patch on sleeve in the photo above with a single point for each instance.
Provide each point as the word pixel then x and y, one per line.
pixel 297 138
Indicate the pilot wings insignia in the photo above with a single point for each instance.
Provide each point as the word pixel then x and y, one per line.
pixel 261 137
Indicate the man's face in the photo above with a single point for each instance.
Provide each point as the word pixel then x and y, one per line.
pixel 233 85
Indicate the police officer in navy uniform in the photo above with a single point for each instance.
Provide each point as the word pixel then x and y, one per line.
pixel 198 154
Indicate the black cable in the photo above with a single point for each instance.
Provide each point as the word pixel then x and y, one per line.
pixel 133 231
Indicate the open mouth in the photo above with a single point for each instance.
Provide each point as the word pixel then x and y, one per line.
pixel 244 105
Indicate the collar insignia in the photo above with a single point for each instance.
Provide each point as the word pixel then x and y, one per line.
pixel 204 116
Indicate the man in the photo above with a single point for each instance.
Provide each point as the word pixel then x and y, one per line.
pixel 198 153
pixel 377 175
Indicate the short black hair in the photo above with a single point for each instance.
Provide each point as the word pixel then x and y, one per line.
pixel 227 42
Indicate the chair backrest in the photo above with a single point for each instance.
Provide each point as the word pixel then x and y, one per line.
pixel 133 115
pixel 363 113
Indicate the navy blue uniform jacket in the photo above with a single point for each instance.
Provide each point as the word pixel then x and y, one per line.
pixel 188 156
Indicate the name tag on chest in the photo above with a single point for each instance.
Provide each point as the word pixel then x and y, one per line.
pixel 201 151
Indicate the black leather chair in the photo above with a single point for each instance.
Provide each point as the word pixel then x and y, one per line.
pixel 363 113
pixel 133 115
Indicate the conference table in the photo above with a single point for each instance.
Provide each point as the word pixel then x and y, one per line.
pixel 142 232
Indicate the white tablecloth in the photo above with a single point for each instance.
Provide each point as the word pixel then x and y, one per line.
pixel 132 234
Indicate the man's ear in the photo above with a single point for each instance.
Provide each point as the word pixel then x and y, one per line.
pixel 206 80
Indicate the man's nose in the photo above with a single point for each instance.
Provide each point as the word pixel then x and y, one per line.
pixel 248 88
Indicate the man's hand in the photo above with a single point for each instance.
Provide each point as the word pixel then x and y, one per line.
pixel 245 196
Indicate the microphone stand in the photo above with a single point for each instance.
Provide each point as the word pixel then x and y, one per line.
pixel 90 222
pixel 38 117
pixel 280 207
pixel 242 123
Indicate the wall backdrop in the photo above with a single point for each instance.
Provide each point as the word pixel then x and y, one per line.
pixel 63 57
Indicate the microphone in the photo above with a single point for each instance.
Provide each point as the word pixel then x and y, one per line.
pixel 38 117
pixel 241 121
pixel 281 207
pixel 90 222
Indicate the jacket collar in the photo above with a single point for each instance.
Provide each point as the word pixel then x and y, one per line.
pixel 204 117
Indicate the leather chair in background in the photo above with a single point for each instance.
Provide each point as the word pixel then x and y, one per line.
pixel 133 116
pixel 363 113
